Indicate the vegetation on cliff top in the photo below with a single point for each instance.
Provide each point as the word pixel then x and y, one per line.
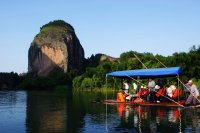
pixel 60 23
pixel 56 24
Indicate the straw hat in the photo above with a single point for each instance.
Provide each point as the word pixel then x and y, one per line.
pixel 190 81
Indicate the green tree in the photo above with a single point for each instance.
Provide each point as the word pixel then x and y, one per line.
pixel 87 83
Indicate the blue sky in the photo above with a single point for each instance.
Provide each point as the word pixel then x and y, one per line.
pixel 102 26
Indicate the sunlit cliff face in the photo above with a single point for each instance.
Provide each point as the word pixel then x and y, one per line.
pixel 49 59
pixel 55 54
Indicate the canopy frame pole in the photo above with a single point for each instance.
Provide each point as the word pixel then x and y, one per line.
pixel 106 104
pixel 114 87
pixel 178 89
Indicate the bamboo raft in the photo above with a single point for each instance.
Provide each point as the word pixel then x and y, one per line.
pixel 164 104
pixel 160 104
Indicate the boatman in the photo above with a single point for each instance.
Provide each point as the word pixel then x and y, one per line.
pixel 194 93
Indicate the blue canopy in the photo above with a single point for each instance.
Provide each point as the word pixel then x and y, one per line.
pixel 145 73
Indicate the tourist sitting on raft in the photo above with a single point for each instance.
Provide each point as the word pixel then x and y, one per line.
pixel 121 97
pixel 142 95
pixel 172 92
pixel 160 94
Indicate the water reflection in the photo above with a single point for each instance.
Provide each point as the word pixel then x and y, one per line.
pixel 158 119
pixel 192 123
pixel 45 112
pixel 12 111
pixel 67 112
pixel 61 112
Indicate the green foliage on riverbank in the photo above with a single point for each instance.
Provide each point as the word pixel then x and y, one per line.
pixel 9 80
pixel 56 81
pixel 95 76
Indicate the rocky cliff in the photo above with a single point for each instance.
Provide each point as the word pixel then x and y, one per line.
pixel 55 48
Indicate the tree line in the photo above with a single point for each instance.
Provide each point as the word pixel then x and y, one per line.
pixel 94 75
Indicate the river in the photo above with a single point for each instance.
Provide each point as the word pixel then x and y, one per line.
pixel 73 112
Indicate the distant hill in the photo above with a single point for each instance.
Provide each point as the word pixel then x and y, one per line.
pixel 95 60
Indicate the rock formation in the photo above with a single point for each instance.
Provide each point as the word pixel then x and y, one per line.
pixel 106 57
pixel 95 60
pixel 55 48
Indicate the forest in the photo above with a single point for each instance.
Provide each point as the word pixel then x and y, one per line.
pixel 95 73
pixel 94 76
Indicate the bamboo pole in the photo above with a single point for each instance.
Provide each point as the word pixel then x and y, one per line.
pixel 160 62
pixel 106 105
pixel 140 61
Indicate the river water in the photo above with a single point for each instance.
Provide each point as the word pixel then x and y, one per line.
pixel 73 112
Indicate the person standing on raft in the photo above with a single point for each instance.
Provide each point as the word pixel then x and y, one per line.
pixel 194 93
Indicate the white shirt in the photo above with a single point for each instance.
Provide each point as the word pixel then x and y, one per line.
pixel 151 84
pixel 126 86
pixel 169 91
pixel 134 86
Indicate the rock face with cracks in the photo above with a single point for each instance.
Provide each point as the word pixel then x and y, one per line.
pixel 55 48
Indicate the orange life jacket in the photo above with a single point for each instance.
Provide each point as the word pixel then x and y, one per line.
pixel 121 97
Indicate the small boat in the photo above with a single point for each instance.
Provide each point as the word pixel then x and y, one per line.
pixel 146 73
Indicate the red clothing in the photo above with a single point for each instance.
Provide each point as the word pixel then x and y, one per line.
pixel 176 93
pixel 143 92
pixel 160 92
